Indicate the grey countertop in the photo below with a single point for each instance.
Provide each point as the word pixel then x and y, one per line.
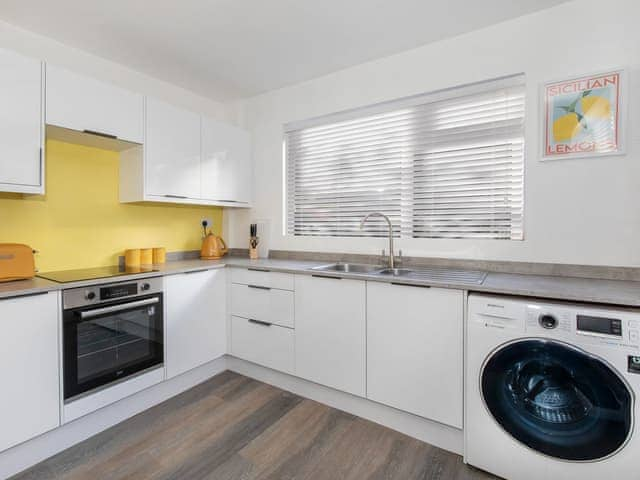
pixel 615 292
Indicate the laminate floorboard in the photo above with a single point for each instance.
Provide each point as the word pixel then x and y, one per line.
pixel 236 428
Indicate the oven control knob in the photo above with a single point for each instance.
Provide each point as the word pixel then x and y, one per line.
pixel 90 295
pixel 144 287
pixel 548 321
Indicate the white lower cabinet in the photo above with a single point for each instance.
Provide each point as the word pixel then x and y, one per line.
pixel 262 303
pixel 29 367
pixel 330 332
pixel 263 343
pixel 414 350
pixel 196 319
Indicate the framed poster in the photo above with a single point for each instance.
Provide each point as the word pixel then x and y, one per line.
pixel 582 116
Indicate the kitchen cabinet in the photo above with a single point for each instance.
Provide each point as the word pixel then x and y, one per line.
pixel 263 303
pixel 196 319
pixel 188 159
pixel 226 163
pixel 263 343
pixel 21 124
pixel 84 104
pixel 330 332
pixel 414 350
pixel 171 152
pixel 30 368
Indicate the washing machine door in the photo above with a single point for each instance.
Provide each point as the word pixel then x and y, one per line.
pixel 557 399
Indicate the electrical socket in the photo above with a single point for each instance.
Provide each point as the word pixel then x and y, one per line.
pixel 209 223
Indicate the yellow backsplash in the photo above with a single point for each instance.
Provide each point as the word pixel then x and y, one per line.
pixel 80 222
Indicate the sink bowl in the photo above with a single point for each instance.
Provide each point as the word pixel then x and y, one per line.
pixel 396 272
pixel 349 268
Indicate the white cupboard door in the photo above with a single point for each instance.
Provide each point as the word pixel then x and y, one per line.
pixel 86 104
pixel 267 345
pixel 226 163
pixel 414 350
pixel 30 368
pixel 172 152
pixel 20 123
pixel 196 319
pixel 330 332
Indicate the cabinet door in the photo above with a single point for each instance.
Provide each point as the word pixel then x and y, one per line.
pixel 330 332
pixel 30 368
pixel 414 350
pixel 226 163
pixel 83 103
pixel 172 151
pixel 196 319
pixel 20 123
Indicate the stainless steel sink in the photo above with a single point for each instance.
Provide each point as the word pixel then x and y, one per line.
pixel 426 274
pixel 349 268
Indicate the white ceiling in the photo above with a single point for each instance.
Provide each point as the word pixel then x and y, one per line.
pixel 225 49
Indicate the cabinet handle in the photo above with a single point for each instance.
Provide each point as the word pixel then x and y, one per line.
pixel 254 269
pixel 101 134
pixel 197 271
pixel 259 287
pixel 410 285
pixel 174 196
pixel 327 276
pixel 260 322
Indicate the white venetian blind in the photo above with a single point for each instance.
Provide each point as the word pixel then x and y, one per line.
pixel 448 164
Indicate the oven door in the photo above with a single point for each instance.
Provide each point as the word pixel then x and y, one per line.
pixel 106 343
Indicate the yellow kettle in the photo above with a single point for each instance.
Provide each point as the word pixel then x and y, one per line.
pixel 213 247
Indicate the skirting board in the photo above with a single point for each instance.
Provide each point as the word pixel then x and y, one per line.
pixel 434 433
pixel 29 453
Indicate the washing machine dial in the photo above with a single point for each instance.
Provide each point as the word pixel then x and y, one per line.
pixel 548 321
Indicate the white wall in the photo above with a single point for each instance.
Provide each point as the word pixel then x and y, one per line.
pixel 44 48
pixel 584 211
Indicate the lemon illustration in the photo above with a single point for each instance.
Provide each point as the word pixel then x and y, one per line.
pixel 596 106
pixel 566 127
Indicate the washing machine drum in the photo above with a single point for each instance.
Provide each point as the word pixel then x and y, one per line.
pixel 557 399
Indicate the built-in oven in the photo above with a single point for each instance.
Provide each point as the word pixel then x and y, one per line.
pixel 111 332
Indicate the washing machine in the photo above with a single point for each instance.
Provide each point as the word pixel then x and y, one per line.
pixel 551 389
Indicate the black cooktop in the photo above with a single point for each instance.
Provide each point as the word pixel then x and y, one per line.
pixel 66 276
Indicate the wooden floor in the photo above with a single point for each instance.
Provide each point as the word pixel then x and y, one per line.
pixel 233 427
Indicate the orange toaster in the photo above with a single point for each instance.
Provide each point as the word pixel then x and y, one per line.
pixel 16 262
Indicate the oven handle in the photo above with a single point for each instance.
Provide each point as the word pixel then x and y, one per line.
pixel 118 308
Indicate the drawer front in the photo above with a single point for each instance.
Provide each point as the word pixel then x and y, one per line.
pixel 260 278
pixel 263 303
pixel 269 346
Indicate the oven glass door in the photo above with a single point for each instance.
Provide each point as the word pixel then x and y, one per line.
pixel 111 341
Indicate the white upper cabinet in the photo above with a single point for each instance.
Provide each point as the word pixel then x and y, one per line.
pixel 187 158
pixel 84 104
pixel 172 152
pixel 414 350
pixel 226 163
pixel 21 168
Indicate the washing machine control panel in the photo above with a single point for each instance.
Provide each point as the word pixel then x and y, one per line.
pixel 591 326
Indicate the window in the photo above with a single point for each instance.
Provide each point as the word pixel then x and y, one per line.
pixel 448 164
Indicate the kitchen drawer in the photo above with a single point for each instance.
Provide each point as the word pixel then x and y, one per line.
pixel 262 278
pixel 262 303
pixel 267 345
